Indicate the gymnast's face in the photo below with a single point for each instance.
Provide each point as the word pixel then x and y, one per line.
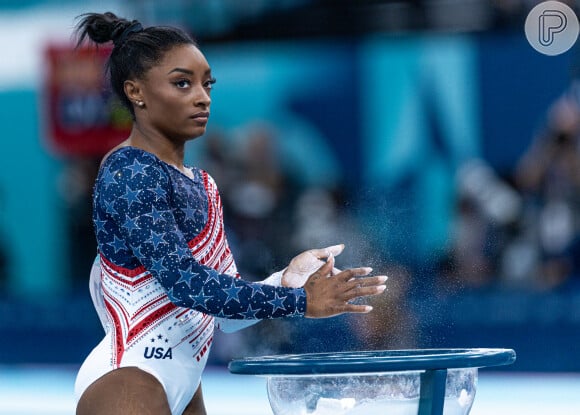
pixel 175 94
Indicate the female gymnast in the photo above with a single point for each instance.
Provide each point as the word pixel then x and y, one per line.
pixel 165 275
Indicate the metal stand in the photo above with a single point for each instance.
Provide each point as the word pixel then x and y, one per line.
pixel 432 392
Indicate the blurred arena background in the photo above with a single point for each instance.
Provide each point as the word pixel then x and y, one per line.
pixel 426 135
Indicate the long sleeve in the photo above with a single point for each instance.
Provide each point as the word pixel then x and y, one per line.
pixel 229 325
pixel 143 210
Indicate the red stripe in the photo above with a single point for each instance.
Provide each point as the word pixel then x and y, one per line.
pixel 212 249
pixel 112 299
pixel 226 260
pixel 201 237
pixel 206 320
pixel 201 240
pixel 118 346
pixel 212 257
pixel 125 271
pixel 149 305
pixel 183 312
pixel 127 282
pixel 149 320
pixel 205 349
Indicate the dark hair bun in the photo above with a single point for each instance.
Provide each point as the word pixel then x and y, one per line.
pixel 100 28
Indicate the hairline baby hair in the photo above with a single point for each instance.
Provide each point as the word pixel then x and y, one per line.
pixel 136 49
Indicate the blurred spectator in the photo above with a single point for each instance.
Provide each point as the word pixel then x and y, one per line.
pixel 320 219
pixel 391 324
pixel 487 211
pixel 523 236
pixel 526 236
pixel 258 199
pixel 548 176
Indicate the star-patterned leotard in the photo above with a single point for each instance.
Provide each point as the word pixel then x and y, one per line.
pixel 164 271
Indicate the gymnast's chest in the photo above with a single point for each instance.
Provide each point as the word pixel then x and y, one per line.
pixel 189 203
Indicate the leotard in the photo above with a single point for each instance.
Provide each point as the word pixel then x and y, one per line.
pixel 165 275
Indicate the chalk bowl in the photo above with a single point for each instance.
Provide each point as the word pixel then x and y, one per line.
pixel 366 394
pixel 394 382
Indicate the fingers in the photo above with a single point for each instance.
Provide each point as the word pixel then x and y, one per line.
pixel 363 292
pixel 350 273
pixel 328 295
pixel 355 308
pixel 349 308
pixel 362 287
pixel 333 250
pixel 326 268
pixel 367 281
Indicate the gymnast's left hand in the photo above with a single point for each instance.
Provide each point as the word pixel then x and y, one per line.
pixel 307 263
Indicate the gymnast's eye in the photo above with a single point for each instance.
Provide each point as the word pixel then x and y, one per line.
pixel 209 83
pixel 182 83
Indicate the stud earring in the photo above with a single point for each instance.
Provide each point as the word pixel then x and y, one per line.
pixel 140 104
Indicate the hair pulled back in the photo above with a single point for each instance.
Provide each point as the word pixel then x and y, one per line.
pixel 136 49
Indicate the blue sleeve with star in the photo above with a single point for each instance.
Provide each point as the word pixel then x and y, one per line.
pixel 139 222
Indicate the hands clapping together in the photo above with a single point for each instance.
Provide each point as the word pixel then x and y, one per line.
pixel 330 291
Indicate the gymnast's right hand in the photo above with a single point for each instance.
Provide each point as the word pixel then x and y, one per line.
pixel 329 295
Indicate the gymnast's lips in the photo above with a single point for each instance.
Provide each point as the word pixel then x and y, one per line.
pixel 200 116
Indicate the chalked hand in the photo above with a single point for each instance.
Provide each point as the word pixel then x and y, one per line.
pixel 305 264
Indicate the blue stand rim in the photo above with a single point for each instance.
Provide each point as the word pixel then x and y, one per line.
pixel 371 361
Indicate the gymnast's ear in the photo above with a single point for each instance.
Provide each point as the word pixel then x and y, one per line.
pixel 133 91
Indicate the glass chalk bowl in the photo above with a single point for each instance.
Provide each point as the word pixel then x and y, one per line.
pixel 391 382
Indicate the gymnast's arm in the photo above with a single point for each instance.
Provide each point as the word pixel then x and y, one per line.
pixel 127 200
pixel 228 325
